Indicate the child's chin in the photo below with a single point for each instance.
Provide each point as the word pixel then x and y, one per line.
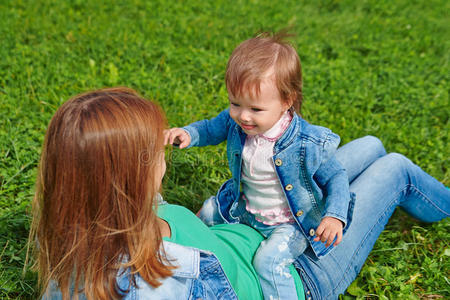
pixel 250 132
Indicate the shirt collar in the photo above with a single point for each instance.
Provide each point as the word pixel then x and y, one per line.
pixel 277 130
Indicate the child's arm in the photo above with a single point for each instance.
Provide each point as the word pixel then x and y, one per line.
pixel 333 179
pixel 201 133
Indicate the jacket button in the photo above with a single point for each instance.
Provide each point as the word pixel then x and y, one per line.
pixel 312 232
pixel 308 292
pixel 278 162
pixel 299 213
pixel 288 187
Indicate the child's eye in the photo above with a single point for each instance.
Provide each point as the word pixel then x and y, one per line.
pixel 256 109
pixel 235 104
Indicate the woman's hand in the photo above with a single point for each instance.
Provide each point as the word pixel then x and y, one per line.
pixel 177 137
pixel 328 229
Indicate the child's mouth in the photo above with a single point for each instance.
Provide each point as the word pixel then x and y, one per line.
pixel 247 127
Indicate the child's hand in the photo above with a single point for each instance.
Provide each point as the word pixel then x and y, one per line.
pixel 177 136
pixel 328 229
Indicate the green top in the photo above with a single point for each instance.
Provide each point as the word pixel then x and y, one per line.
pixel 233 244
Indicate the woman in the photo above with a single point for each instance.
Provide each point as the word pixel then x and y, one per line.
pixel 104 232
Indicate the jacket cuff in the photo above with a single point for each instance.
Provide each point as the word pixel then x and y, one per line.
pixel 193 133
pixel 337 216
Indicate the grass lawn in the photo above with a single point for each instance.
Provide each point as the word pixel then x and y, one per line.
pixel 370 67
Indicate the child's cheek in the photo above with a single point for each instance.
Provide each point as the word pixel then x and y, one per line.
pixel 233 114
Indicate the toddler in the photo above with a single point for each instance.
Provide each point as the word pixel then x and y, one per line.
pixel 286 182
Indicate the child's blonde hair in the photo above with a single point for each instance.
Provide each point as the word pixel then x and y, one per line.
pixel 254 58
pixel 94 208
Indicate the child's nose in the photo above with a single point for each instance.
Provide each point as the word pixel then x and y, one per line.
pixel 245 116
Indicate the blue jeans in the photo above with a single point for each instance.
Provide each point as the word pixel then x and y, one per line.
pixel 381 182
pixel 284 243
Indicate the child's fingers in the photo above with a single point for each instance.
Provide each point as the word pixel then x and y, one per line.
pixel 326 236
pixel 166 136
pixel 339 238
pixel 173 136
pixel 184 142
pixel 319 232
pixel 330 239
pixel 328 230
pixel 176 135
pixel 323 234
pixel 185 139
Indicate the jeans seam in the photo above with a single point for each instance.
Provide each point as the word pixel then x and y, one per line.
pixel 309 283
pixel 416 190
pixel 272 273
pixel 364 240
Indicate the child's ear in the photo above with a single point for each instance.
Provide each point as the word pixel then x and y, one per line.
pixel 290 101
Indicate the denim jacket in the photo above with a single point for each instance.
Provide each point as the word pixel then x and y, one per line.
pixel 198 275
pixel 314 182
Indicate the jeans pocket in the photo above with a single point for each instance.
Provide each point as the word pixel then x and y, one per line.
pixel 310 289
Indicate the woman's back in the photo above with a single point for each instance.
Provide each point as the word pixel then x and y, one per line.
pixel 200 253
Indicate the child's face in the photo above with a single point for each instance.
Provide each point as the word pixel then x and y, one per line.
pixel 256 116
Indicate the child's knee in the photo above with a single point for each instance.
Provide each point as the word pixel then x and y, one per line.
pixel 264 258
pixel 209 213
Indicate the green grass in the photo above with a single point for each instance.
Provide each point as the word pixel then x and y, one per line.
pixel 370 67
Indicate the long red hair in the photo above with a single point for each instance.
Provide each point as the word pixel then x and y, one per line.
pixel 94 209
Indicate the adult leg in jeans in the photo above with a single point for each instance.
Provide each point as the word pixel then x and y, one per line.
pixel 358 154
pixel 390 181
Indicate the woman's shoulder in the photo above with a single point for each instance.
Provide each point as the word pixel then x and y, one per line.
pixel 186 263
pixel 185 281
pixel 167 208
pixel 177 213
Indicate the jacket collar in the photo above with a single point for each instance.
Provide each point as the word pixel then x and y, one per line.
pixel 289 134
pixel 185 259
